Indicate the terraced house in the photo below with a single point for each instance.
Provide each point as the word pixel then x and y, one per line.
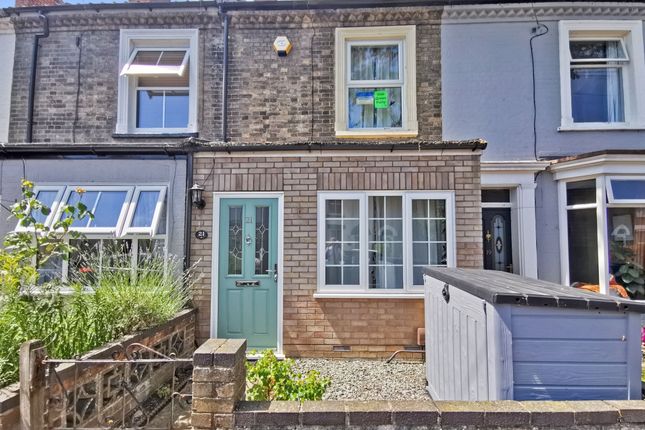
pixel 312 157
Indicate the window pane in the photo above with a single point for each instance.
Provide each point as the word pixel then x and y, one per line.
pixel 52 270
pixel 235 240
pixel 496 196
pixel 371 63
pixel 46 198
pixel 145 209
pixel 626 232
pixel 149 58
pixel 583 246
pixel 385 247
pixel 88 198
pixel 149 249
pixel 342 246
pixel 582 192
pixel 596 49
pixel 429 236
pixel 84 260
pixel 172 58
pixel 262 234
pixel 365 113
pixel 176 109
pixel 108 208
pixel 597 95
pixel 149 109
pixel 628 189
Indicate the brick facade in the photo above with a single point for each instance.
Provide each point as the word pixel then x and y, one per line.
pixel 78 71
pixel 372 327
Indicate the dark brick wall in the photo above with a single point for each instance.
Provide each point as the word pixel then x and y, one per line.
pixel 292 98
pixel 78 67
pixel 271 99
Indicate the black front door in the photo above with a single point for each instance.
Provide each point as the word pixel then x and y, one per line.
pixel 498 254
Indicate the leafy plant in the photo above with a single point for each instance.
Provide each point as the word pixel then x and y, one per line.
pixel 41 242
pixel 630 273
pixel 273 379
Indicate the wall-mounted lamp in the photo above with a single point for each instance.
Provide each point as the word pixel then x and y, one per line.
pixel 282 46
pixel 197 196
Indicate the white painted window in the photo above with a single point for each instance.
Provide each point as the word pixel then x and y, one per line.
pixel 626 190
pixel 379 242
pixel 376 81
pixel 131 218
pixel 158 82
pixel 602 70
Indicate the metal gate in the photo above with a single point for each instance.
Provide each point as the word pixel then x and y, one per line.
pixel 137 388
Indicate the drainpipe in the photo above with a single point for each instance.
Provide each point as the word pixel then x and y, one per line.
pixel 188 212
pixel 224 77
pixel 32 78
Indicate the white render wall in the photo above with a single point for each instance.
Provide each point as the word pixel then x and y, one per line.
pixel 7 47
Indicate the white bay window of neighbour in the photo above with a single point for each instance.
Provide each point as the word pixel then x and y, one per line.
pixel 381 243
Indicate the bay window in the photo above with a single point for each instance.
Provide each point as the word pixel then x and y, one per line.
pixel 379 243
pixel 601 72
pixel 376 81
pixel 604 233
pixel 129 222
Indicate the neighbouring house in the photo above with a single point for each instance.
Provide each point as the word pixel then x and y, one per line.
pixel 558 92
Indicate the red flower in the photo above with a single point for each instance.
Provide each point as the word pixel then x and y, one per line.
pixel 85 270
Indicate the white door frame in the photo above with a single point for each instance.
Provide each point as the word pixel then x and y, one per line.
pixel 217 197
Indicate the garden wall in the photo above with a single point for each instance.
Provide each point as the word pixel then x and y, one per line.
pixel 219 384
pixel 98 385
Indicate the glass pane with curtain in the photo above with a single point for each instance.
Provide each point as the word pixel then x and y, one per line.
pixel 145 209
pixel 342 242
pixel 385 242
pixel 583 246
pixel 626 233
pixel 628 189
pixel 597 94
pixel 108 208
pixel 46 198
pixel 429 237
pixel 374 63
pixel 364 113
pixel 597 50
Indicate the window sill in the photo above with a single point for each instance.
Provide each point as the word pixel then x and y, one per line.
pixel 415 295
pixel 601 127
pixel 154 135
pixel 377 134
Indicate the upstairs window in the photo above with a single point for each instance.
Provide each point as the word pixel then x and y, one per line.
pixel 601 72
pixel 376 81
pixel 157 84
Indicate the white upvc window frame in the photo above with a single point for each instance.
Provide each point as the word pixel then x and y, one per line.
pixel 159 208
pixel 132 40
pixel 630 33
pixel 53 209
pixel 623 202
pixel 116 230
pixel 406 200
pixel 405 37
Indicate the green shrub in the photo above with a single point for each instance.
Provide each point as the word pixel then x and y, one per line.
pixel 273 379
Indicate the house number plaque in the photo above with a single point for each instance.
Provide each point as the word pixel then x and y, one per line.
pixel 201 234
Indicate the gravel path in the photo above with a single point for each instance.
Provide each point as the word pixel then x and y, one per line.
pixel 369 379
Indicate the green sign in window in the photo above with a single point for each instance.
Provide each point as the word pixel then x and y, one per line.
pixel 381 99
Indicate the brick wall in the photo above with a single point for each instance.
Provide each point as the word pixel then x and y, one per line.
pixel 78 70
pixel 373 327
pixel 271 98
pixel 292 98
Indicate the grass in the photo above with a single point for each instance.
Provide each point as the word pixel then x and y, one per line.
pixel 104 303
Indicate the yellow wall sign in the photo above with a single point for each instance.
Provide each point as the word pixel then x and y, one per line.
pixel 381 99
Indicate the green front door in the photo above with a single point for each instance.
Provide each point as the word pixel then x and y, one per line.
pixel 248 271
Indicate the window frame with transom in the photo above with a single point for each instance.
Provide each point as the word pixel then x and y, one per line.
pixel 619 53
pixel 356 230
pixel 151 63
pixel 398 43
